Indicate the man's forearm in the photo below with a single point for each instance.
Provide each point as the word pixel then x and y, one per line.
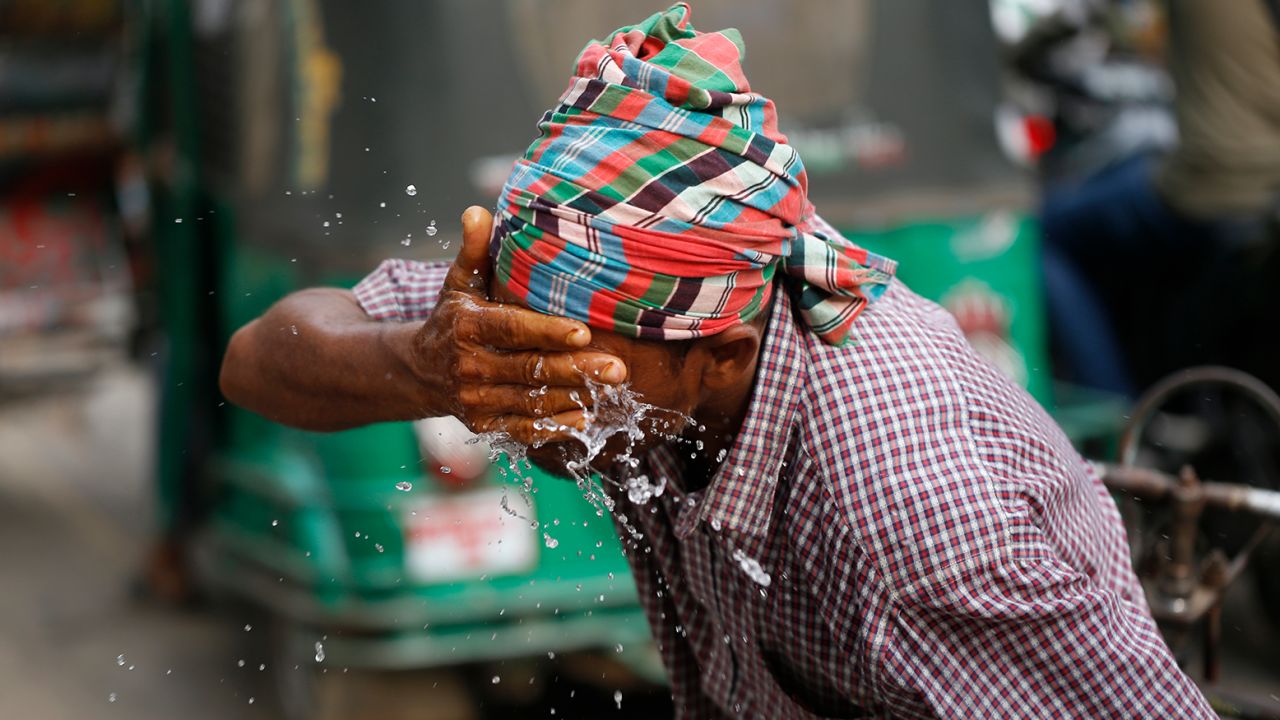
pixel 316 361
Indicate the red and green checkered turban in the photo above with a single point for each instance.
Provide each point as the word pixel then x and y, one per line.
pixel 660 199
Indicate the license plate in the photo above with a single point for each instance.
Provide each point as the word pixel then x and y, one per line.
pixel 465 535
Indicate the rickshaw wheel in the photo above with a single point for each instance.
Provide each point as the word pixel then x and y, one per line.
pixel 1225 424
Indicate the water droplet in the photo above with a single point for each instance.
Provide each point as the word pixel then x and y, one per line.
pixel 377 546
pixel 274 523
pixel 496 679
pixel 752 568
pixel 120 660
pixel 404 486
pixel 112 698
pixel 325 224
pixel 178 220
pixel 251 701
pixel 410 190
pixel 618 648
pixel 407 240
pixel 382 204
pixel 247 628
pixel 432 229
pixel 319 652
pixel 240 663
pixel 617 698
pixel 446 469
pixel 551 542
pixel 293 329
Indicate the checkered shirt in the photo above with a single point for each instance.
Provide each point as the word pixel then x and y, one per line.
pixel 928 542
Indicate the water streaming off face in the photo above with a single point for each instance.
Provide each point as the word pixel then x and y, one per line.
pixel 614 411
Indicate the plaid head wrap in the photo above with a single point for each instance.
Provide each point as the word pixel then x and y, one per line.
pixel 660 199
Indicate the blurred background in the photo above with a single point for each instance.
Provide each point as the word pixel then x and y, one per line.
pixel 1089 186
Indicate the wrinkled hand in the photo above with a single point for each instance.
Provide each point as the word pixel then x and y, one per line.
pixel 491 361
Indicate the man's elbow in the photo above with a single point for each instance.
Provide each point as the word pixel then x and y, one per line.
pixel 234 377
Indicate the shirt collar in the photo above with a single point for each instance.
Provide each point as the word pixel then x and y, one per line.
pixel 740 495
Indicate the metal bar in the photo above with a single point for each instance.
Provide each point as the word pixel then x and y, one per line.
pixel 1155 485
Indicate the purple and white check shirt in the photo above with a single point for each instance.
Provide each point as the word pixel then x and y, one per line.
pixel 929 543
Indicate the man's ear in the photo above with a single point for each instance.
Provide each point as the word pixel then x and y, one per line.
pixel 729 356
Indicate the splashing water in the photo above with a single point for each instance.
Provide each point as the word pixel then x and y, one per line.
pixel 640 490
pixel 615 410
pixel 500 443
pixel 752 568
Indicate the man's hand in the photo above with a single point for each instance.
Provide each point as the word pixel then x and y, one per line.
pixel 501 367
pixel 317 361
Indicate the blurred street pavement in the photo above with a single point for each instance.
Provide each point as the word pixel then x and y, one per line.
pixel 74 524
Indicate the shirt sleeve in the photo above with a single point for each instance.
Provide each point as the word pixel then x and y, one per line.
pixel 401 290
pixel 1018 634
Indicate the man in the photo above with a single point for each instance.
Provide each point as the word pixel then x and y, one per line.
pixel 861 518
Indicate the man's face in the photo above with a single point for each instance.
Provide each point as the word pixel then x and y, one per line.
pixel 656 371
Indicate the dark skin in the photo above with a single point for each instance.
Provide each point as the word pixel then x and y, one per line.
pixel 476 358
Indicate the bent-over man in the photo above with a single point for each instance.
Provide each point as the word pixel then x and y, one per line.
pixel 862 516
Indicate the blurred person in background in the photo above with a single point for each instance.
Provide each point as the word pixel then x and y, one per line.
pixel 1146 259
pixel 861 516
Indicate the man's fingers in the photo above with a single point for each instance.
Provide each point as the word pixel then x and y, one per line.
pixel 538 369
pixel 509 327
pixel 470 270
pixel 489 400
pixel 534 431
